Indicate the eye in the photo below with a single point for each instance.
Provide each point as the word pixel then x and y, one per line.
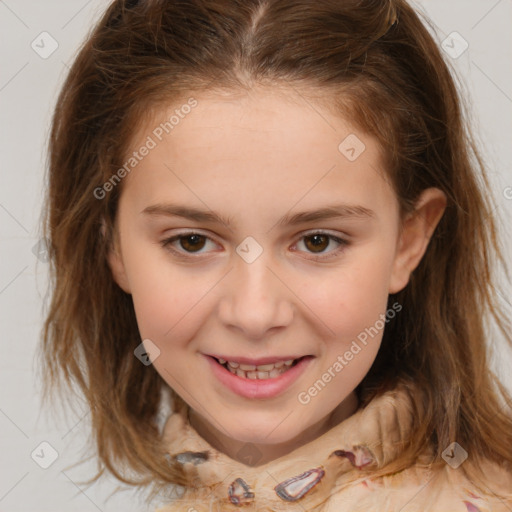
pixel 190 243
pixel 318 242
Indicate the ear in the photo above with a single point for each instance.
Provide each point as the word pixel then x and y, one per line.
pixel 417 230
pixel 115 260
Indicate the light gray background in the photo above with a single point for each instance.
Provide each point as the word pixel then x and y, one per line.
pixel 28 90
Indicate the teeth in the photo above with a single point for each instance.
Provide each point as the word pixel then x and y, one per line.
pixel 259 368
pixel 247 367
pixel 266 367
pixel 262 371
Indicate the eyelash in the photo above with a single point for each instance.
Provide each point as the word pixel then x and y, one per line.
pixel 315 257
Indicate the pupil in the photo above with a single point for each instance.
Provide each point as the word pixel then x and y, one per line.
pixel 196 242
pixel 318 241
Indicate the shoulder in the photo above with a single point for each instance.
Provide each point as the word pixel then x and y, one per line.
pixel 420 488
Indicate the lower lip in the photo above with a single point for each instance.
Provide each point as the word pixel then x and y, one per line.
pixel 256 388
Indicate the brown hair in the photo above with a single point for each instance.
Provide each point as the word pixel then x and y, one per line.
pixel 371 60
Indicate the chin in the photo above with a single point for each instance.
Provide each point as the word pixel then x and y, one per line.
pixel 265 433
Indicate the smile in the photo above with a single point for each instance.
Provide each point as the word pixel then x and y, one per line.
pixel 268 379
pixel 258 372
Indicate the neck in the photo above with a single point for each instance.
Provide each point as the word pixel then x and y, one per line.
pixel 269 452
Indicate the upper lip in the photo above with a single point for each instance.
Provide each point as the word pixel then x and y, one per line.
pixel 258 361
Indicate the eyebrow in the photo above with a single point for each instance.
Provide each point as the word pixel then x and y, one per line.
pixel 341 211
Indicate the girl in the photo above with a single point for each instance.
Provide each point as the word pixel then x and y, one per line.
pixel 270 217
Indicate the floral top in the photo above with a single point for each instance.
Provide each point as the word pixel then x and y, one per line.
pixel 314 477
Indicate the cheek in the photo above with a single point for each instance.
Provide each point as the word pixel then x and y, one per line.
pixel 351 304
pixel 165 298
pixel 168 309
pixel 351 299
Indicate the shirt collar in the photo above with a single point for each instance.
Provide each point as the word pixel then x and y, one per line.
pixel 371 438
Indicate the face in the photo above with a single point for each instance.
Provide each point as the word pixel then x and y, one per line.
pixel 249 235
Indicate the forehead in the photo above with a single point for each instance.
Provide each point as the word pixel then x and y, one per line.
pixel 280 116
pixel 266 144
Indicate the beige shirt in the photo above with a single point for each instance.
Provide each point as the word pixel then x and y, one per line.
pixel 314 476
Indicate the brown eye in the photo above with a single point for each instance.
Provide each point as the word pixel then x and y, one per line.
pixel 320 245
pixel 191 243
pixel 187 243
pixel 317 242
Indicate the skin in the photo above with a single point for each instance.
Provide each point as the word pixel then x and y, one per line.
pixel 254 158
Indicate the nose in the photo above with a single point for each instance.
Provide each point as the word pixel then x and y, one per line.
pixel 256 299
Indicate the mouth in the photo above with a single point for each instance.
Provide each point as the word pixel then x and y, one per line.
pixel 263 378
pixel 268 370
